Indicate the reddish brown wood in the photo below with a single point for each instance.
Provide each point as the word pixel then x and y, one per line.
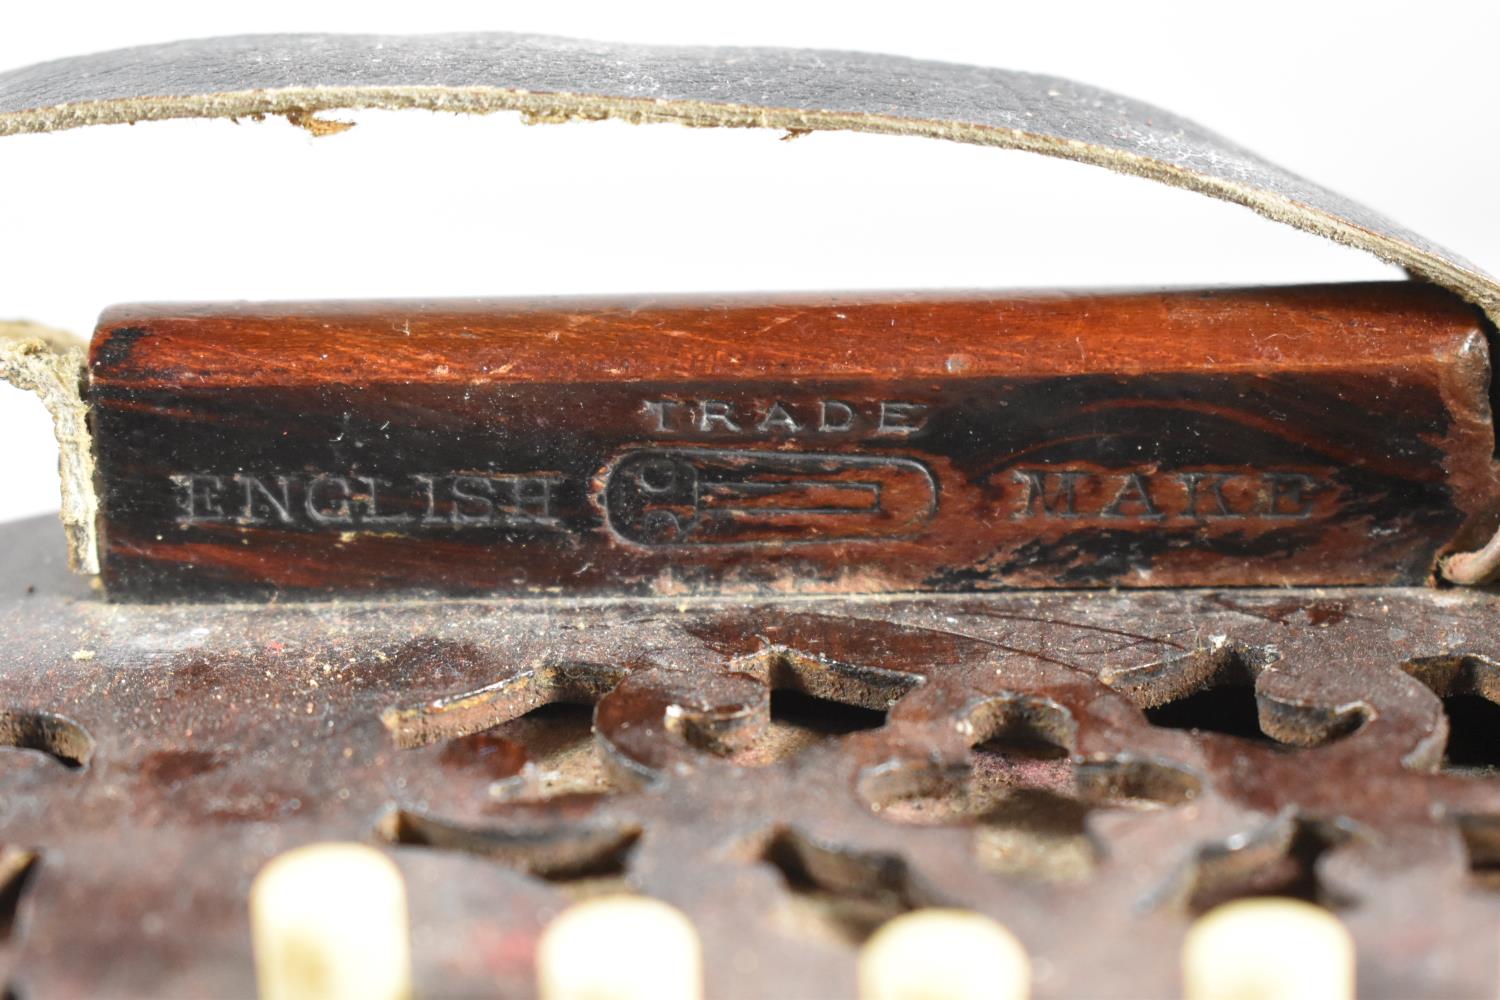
pixel 1325 434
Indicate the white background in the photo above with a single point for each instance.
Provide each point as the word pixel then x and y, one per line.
pixel 1394 104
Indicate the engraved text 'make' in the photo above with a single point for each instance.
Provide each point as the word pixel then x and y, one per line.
pixel 1149 495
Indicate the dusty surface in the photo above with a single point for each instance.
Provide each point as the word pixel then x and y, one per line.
pixel 1019 754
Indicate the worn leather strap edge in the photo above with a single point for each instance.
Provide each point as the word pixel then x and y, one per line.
pixel 50 363
pixel 1437 266
pixel 556 80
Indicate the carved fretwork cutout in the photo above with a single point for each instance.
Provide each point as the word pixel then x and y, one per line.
pixel 575 856
pixel 1210 689
pixel 17 866
pixel 561 756
pixel 1137 782
pixel 576 728
pixel 1023 793
pixel 1036 835
pixel 1469 686
pixel 1281 860
pixel 1217 689
pixel 1473 735
pixel 834 718
pixel 1481 836
pixel 997 768
pixel 853 685
pixel 1229 709
pixel 801 721
pixel 64 740
pixel 835 895
pixel 475 710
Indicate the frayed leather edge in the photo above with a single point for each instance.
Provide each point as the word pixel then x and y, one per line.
pixel 52 365
pixel 300 104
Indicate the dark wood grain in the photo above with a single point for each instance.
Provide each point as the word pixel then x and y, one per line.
pixel 1322 434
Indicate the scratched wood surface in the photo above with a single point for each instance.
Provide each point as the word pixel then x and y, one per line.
pixel 1313 435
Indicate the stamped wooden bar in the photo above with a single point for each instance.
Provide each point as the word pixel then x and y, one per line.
pixel 867 443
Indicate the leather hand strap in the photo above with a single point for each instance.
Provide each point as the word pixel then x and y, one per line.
pixel 554 80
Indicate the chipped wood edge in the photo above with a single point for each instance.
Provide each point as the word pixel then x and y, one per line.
pixel 300 104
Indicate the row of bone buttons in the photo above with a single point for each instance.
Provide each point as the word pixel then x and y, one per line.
pixel 330 923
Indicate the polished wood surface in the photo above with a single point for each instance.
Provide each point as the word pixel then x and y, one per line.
pixel 1320 434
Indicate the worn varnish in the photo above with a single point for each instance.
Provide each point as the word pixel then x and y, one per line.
pixel 1310 435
